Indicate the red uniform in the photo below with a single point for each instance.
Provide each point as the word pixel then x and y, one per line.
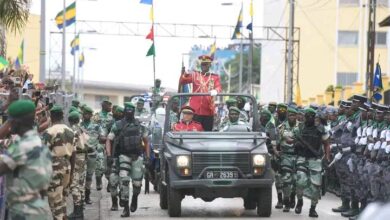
pixel 202 83
pixel 191 126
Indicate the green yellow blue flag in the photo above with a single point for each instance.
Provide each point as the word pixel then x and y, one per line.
pixel 213 49
pixel 147 2
pixel 75 44
pixel 250 25
pixel 70 16
pixel 3 63
pixel 81 60
pixel 19 59
pixel 237 29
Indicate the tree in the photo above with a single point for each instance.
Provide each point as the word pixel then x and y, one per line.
pixel 13 17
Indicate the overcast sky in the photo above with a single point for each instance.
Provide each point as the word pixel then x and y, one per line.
pixel 122 59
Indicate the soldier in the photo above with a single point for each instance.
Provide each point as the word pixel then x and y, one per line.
pixel 59 138
pixel 288 158
pixel 333 184
pixel 105 120
pixel 27 165
pixel 309 140
pixel 76 103
pixel 281 114
pixel 128 135
pixel 272 107
pixel 203 82
pixel 234 114
pixel 78 180
pixel 225 118
pixel 117 114
pixel 174 112
pixel 187 123
pixel 140 110
pixel 241 101
pixel 93 130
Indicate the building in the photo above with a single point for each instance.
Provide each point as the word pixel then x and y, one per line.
pixel 333 42
pixel 31 36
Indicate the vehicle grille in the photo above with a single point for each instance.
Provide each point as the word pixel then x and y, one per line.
pixel 203 160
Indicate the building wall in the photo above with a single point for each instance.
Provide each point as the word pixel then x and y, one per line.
pixel 31 36
pixel 321 57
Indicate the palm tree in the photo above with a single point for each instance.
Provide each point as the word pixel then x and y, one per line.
pixel 13 17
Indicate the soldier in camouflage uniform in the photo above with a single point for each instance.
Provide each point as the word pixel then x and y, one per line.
pixel 174 112
pixel 105 120
pixel 77 185
pixel 140 110
pixel 59 138
pixel 234 122
pixel 27 166
pixel 288 158
pixel 92 129
pixel 128 135
pixel 310 138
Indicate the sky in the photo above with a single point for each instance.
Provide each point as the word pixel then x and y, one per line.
pixel 122 58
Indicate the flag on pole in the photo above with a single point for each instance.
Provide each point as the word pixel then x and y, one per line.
pixel 147 2
pixel 151 51
pixel 377 83
pixel 3 63
pixel 81 60
pixel 75 45
pixel 298 99
pixel 213 49
pixel 237 29
pixel 20 58
pixel 70 16
pixel 250 25
pixel 150 36
pixel 151 14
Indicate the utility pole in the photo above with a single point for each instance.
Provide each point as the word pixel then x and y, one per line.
pixel 42 53
pixel 290 53
pixel 371 47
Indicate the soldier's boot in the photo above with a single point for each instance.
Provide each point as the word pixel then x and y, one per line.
pixel 353 211
pixel 292 200
pixel 126 210
pixel 87 196
pixel 287 204
pixel 298 208
pixel 77 214
pixel 99 183
pixel 134 203
pixel 279 205
pixel 344 206
pixel 312 212
pixel 114 200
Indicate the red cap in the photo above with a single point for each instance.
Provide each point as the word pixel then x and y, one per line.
pixel 205 58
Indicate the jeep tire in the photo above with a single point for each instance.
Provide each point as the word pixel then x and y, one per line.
pixel 174 202
pixel 264 202
pixel 249 202
pixel 163 195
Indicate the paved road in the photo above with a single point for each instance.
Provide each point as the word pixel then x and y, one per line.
pixel 197 209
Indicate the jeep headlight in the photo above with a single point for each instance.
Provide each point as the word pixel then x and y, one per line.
pixel 182 161
pixel 258 160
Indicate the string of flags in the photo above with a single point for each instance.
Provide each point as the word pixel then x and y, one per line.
pixel 150 36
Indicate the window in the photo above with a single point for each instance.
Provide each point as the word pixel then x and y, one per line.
pixel 99 99
pixel 381 38
pixel 346 79
pixel 349 2
pixel 348 38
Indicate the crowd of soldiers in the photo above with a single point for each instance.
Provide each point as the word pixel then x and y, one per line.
pixel 347 152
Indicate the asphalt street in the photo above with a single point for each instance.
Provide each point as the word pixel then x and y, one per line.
pixel 148 208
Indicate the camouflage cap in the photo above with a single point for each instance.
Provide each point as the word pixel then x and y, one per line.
pixel 20 108
pixel 74 115
pixel 87 109
pixel 141 100
pixel 56 108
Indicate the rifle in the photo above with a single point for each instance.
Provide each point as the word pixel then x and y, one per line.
pixel 305 144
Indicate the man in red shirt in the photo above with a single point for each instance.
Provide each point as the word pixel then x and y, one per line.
pixel 187 124
pixel 203 82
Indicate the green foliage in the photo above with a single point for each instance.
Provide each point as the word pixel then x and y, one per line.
pixel 14 14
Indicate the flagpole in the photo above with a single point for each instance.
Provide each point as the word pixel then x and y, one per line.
pixel 63 72
pixel 74 62
pixel 241 56
pixel 42 54
pixel 154 43
pixel 250 55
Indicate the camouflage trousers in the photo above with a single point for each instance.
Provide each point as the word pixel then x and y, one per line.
pixel 345 176
pixel 100 161
pixel 114 178
pixel 23 211
pixel 58 189
pixel 91 166
pixel 278 178
pixel 77 188
pixel 308 178
pixel 288 163
pixel 130 168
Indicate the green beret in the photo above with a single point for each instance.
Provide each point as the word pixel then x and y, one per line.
pixel 115 106
pixel 141 100
pixel 75 102
pixel 72 109
pixel 129 105
pixel 20 108
pixel 56 108
pixel 74 115
pixel 266 112
pixel 120 109
pixel 87 109
pixel 310 110
pixel 231 101
pixel 175 99
pixel 241 98
pixel 292 110
pixel 234 109
pixel 106 100
pixel 282 105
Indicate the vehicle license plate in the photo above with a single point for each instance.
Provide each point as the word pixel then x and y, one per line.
pixel 221 175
